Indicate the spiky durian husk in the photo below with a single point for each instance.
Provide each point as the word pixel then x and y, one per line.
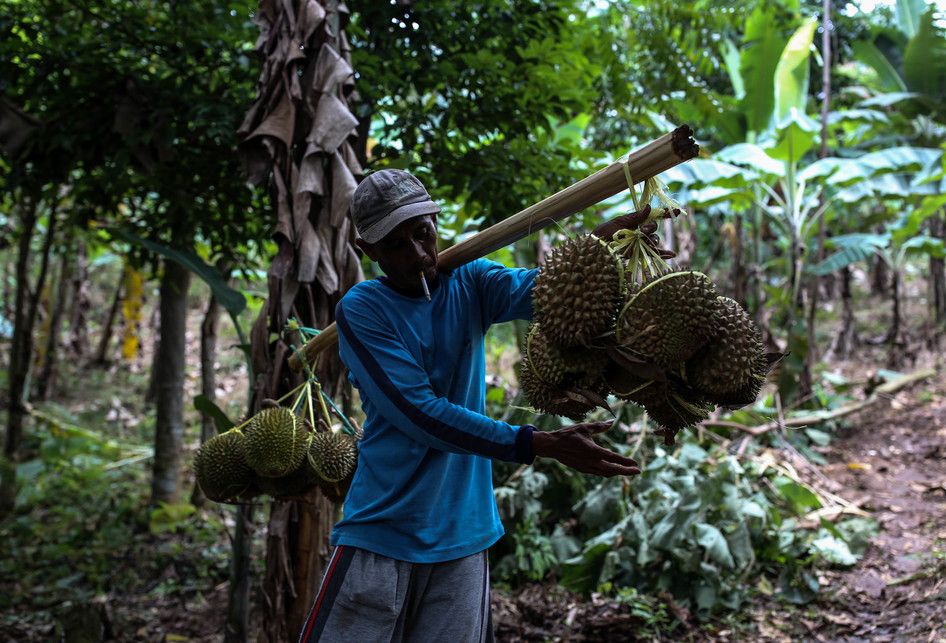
pixel 584 363
pixel 672 408
pixel 578 291
pixel 543 357
pixel 276 442
pixel 663 321
pixel 549 398
pixel 334 456
pixel 221 468
pixel 296 483
pixel 732 366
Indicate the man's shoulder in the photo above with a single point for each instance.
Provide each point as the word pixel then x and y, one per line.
pixel 359 298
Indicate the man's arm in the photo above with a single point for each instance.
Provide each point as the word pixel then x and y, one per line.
pixel 399 388
pixel 575 447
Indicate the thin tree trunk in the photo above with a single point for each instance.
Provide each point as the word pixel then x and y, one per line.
pixel 208 379
pixel 238 607
pixel 169 372
pixel 846 339
pixel 101 354
pixel 893 335
pixel 22 346
pixel 79 304
pixel 880 277
pixel 45 382
pixel 6 306
pixel 739 281
pixel 938 273
pixel 155 325
pixel 812 354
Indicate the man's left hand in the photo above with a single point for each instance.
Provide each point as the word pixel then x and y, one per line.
pixel 574 446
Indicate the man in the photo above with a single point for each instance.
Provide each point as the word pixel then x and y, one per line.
pixel 410 559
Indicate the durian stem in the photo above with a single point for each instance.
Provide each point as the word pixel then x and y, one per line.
pixel 351 428
pixel 325 413
pixel 292 392
pixel 297 403
pixel 634 390
pixel 309 404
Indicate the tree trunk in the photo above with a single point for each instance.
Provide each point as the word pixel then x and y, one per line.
pixel 21 349
pixel 169 372
pixel 101 354
pixel 154 324
pixel 880 277
pixel 208 379
pixel 814 282
pixel 6 306
pixel 846 339
pixel 297 543
pixel 938 273
pixel 45 382
pixel 238 607
pixel 893 335
pixel 79 304
pixel 739 281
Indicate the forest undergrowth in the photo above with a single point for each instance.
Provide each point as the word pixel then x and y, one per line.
pixel 863 499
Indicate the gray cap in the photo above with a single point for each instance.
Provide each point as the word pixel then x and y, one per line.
pixel 386 198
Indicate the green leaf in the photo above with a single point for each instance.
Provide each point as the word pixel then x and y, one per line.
pixel 890 81
pixel 796 135
pixel 232 300
pixel 834 550
pixel 924 60
pixel 924 245
pixel 168 517
pixel 858 115
pixel 708 171
pixel 908 16
pixel 731 60
pixel 888 99
pixel 857 532
pixel 853 248
pixel 713 541
pixel 761 48
pixel 791 73
pixel 799 497
pixel 206 406
pixel 751 155
pixel 821 438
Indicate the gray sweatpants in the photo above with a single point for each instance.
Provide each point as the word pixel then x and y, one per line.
pixel 366 597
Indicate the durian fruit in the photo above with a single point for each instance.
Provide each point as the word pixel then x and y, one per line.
pixel 221 468
pixel 671 408
pixel 276 441
pixel 731 369
pixel 578 291
pixel 549 398
pixel 543 357
pixel 670 318
pixel 334 456
pixel 296 483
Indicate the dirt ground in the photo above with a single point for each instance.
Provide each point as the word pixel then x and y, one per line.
pixel 891 462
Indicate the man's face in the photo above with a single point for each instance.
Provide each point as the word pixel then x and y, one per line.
pixel 406 251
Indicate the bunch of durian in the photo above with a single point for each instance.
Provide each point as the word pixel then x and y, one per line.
pixel 275 452
pixel 611 317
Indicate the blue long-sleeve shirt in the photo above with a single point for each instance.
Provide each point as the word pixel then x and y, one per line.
pixel 423 489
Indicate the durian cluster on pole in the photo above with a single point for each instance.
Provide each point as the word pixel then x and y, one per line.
pixel 613 318
pixel 275 452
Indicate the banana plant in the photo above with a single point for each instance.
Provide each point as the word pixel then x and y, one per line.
pixel 895 247
pixel 909 60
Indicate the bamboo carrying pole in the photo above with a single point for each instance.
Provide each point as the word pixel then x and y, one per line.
pixel 659 155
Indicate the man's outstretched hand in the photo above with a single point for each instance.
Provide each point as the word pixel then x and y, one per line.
pixel 574 446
